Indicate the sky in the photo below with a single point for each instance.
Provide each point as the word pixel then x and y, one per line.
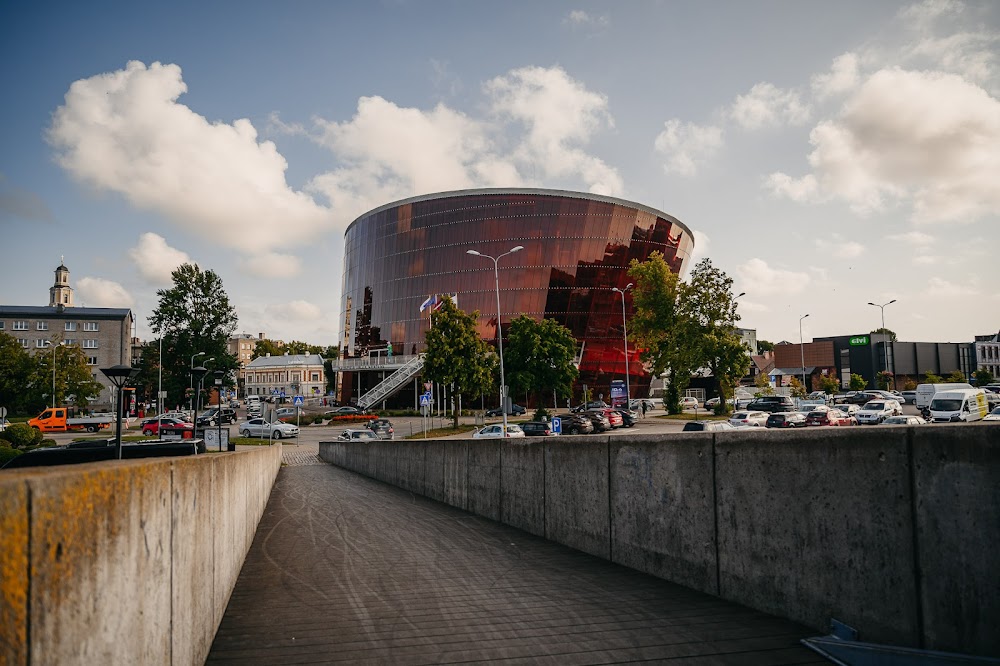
pixel 825 155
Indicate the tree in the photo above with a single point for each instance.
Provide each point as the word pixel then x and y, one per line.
pixel 883 380
pixel 663 326
pixel 763 385
pixel 265 347
pixel 885 331
pixel 764 345
pixel 74 381
pixel 457 356
pixel 798 389
pixel 858 382
pixel 192 316
pixel 830 384
pixel 538 357
pixel 931 378
pixel 15 366
pixel 983 377
pixel 957 377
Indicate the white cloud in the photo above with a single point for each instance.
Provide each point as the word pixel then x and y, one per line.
pixel 296 310
pixel 842 77
pixel 768 106
pixel 270 265
pixel 580 18
pixel 922 14
pixel 757 276
pixel 155 260
pixel 125 132
pixel 687 145
pixel 940 287
pixel 929 138
pixel 100 293
pixel 917 238
pixel 802 190
pixel 838 246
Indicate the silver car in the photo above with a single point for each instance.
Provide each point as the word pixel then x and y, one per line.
pixel 261 428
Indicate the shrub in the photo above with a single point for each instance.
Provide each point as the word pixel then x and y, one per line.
pixel 21 435
pixel 7 453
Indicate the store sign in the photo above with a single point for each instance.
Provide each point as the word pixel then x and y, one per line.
pixel 859 341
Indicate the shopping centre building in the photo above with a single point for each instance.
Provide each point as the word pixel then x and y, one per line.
pixel 576 249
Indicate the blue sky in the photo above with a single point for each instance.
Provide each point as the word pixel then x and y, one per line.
pixel 825 154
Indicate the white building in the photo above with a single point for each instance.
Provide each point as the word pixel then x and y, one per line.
pixel 988 353
pixel 290 375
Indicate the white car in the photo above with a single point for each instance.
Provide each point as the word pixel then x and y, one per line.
pixel 496 430
pixel 358 435
pixel 689 402
pixel 876 411
pixel 993 416
pixel 261 428
pixel 904 420
pixel 751 419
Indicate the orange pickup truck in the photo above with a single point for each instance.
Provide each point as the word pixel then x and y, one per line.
pixel 58 419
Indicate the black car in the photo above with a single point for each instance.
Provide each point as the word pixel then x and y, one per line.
pixel 600 421
pixel 515 410
pixel 212 416
pixel 772 403
pixel 576 424
pixel 382 427
pixel 786 420
pixel 707 426
pixel 594 404
pixel 536 428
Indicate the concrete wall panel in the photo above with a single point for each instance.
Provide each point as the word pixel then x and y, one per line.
pixel 522 485
pixel 662 503
pixel 957 482
pixel 577 494
pixel 456 473
pixel 14 578
pixel 412 465
pixel 484 478
pixel 815 524
pixel 434 469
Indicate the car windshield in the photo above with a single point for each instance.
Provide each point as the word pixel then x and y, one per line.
pixel 996 412
pixel 945 405
pixel 874 406
pixel 816 415
pixel 740 415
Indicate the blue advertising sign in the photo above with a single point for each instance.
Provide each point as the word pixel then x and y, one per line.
pixel 619 396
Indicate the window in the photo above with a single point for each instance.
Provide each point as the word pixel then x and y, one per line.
pixel 90 344
pixel 42 326
pixel 23 342
pixel 70 326
pixel 91 360
pixel 1 325
pixel 315 377
pixel 20 326
pixel 90 326
pixel 69 341
pixel 41 344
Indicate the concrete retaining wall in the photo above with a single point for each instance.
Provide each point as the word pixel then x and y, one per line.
pixel 895 531
pixel 125 562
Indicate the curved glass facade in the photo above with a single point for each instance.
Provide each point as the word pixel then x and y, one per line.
pixel 577 247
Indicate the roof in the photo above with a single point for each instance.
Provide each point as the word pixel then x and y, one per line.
pixel 63 313
pixel 763 363
pixel 793 371
pixel 285 361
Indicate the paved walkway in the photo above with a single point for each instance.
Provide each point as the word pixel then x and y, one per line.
pixel 346 569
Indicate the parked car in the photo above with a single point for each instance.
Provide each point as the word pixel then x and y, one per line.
pixel 707 426
pixel 876 411
pixel 629 418
pixel 496 430
pixel 909 397
pixel 904 420
pixel 850 410
pixel 993 416
pixel 820 395
pixel 688 402
pixel 515 410
pixel 861 397
pixel 593 404
pixel 576 424
pixel 382 428
pixel 346 410
pixel 152 426
pixel 772 403
pixel 830 417
pixel 600 422
pixel 213 415
pixel 351 435
pixel 613 417
pixel 786 420
pixel 637 405
pixel 283 413
pixel 261 428
pixel 536 428
pixel 748 419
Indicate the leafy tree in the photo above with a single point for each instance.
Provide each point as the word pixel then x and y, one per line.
pixel 909 385
pixel 265 347
pixel 983 377
pixel 885 331
pixel 538 357
pixel 192 316
pixel 456 355
pixel 764 345
pixel 957 377
pixel 858 382
pixel 830 384
pixel 798 389
pixel 663 326
pixel 883 380
pixel 763 385
pixel 15 366
pixel 73 377
pixel 931 378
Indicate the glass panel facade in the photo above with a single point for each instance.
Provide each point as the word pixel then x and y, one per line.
pixel 577 247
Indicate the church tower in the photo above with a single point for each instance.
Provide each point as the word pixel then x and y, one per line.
pixel 60 293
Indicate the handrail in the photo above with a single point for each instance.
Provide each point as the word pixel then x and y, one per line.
pixel 393 382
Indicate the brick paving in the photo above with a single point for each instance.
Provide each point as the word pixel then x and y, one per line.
pixel 346 569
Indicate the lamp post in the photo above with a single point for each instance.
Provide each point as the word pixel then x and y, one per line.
pixel 628 390
pixel 885 344
pixel 54 348
pixel 119 375
pixel 802 353
pixel 198 394
pixel 496 277
pixel 218 391
pixel 193 357
pixel 199 372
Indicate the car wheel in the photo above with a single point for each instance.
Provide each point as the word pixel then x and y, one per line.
pixel 92 428
pixel 276 434
pixel 147 432
pixel 244 433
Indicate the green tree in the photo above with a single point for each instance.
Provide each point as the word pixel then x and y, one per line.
pixel 931 378
pixel 15 367
pixel 885 331
pixel 858 382
pixel 265 347
pixel 883 380
pixel 957 377
pixel 457 356
pixel 538 357
pixel 74 381
pixel 330 354
pixel 983 377
pixel 763 385
pixel 830 384
pixel 764 345
pixel 192 316
pixel 664 327
pixel 798 389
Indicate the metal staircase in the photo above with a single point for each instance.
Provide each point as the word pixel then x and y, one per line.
pixel 392 383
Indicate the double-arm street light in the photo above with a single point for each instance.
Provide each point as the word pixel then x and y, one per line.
pixel 496 277
pixel 193 357
pixel 628 392
pixel 885 344
pixel 54 348
pixel 119 375
pixel 802 353
pixel 200 373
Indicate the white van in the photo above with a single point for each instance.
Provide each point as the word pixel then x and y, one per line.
pixel 925 392
pixel 959 405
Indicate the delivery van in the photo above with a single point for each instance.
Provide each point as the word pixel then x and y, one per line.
pixel 925 393
pixel 959 405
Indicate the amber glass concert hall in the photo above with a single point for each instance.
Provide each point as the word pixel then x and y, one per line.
pixel 576 250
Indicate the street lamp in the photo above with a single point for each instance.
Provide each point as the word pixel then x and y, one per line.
pixel 628 391
pixel 496 277
pixel 200 373
pixel 218 416
pixel 54 348
pixel 885 344
pixel 802 353
pixel 193 357
pixel 119 375
pixel 198 395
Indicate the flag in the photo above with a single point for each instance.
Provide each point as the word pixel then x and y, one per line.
pixel 430 302
pixel 441 297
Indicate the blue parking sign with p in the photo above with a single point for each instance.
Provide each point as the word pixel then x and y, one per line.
pixel 557 425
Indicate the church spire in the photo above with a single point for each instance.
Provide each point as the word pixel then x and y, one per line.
pixel 60 293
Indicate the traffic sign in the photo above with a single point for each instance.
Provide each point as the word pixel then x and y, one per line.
pixel 425 400
pixel 282 394
pixel 557 425
pixel 297 400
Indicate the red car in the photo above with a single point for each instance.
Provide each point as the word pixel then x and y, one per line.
pixel 152 426
pixel 833 417
pixel 613 417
